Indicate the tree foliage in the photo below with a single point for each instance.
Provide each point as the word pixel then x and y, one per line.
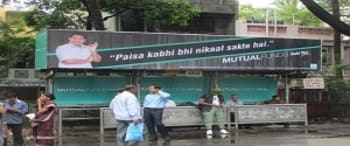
pixel 170 12
pixel 326 17
pixel 292 13
pixel 287 10
pixel 17 49
pixel 334 21
pixel 247 12
pixel 338 88
pixel 88 13
pixel 344 7
pixel 59 14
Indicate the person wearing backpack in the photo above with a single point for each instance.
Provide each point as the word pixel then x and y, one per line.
pixel 211 106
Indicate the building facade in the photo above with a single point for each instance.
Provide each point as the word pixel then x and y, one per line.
pixel 318 100
pixel 216 17
pixel 291 31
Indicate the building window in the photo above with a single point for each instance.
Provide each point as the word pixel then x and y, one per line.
pixel 327 55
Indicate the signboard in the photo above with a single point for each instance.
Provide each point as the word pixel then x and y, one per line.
pixel 73 91
pixel 181 89
pixel 248 88
pixel 147 51
pixel 313 83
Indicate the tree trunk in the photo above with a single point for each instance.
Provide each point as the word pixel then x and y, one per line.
pixel 337 39
pixel 95 15
pixel 88 23
pixel 326 17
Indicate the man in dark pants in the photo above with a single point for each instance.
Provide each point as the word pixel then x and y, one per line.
pixel 154 104
pixel 126 109
pixel 15 109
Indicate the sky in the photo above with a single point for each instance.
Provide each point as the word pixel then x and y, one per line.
pixel 257 3
pixel 17 4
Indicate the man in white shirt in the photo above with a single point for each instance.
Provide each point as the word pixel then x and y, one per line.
pixel 75 54
pixel 170 103
pixel 126 109
pixel 232 103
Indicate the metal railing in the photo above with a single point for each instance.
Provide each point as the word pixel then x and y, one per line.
pixel 244 114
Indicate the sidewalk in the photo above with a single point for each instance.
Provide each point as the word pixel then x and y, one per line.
pixel 328 134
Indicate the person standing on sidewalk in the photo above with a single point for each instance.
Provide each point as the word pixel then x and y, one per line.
pixel 154 104
pixel 212 105
pixel 42 125
pixel 126 109
pixel 3 127
pixel 15 110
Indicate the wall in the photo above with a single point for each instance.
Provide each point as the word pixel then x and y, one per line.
pixel 216 17
pixel 292 31
pixel 216 6
pixel 259 29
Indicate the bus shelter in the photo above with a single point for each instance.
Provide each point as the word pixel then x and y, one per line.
pixel 185 65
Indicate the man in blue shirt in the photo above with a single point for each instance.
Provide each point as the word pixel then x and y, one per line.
pixel 15 109
pixel 154 104
pixel 126 109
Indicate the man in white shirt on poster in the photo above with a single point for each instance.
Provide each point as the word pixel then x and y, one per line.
pixel 75 54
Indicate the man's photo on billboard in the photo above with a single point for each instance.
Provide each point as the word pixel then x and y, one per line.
pixel 76 54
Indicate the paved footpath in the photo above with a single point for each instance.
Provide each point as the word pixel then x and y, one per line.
pixel 328 134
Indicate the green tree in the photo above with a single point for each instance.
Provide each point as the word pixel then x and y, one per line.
pixel 247 12
pixel 292 13
pixel 306 18
pixel 287 10
pixel 17 50
pixel 326 17
pixel 334 21
pixel 344 7
pixel 88 13
pixel 330 12
pixel 169 12
pixel 58 14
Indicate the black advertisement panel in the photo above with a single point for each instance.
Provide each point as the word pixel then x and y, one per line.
pixel 149 51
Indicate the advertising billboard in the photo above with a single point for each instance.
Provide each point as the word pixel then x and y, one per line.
pixel 69 49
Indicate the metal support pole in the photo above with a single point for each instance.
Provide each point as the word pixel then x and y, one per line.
pixel 59 141
pixel 236 117
pixel 228 115
pixel 267 22
pixel 138 84
pixel 102 130
pixel 287 89
pixel 60 122
pixel 306 118
pixel 306 124
pixel 216 78
pixel 275 22
pixel 49 82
